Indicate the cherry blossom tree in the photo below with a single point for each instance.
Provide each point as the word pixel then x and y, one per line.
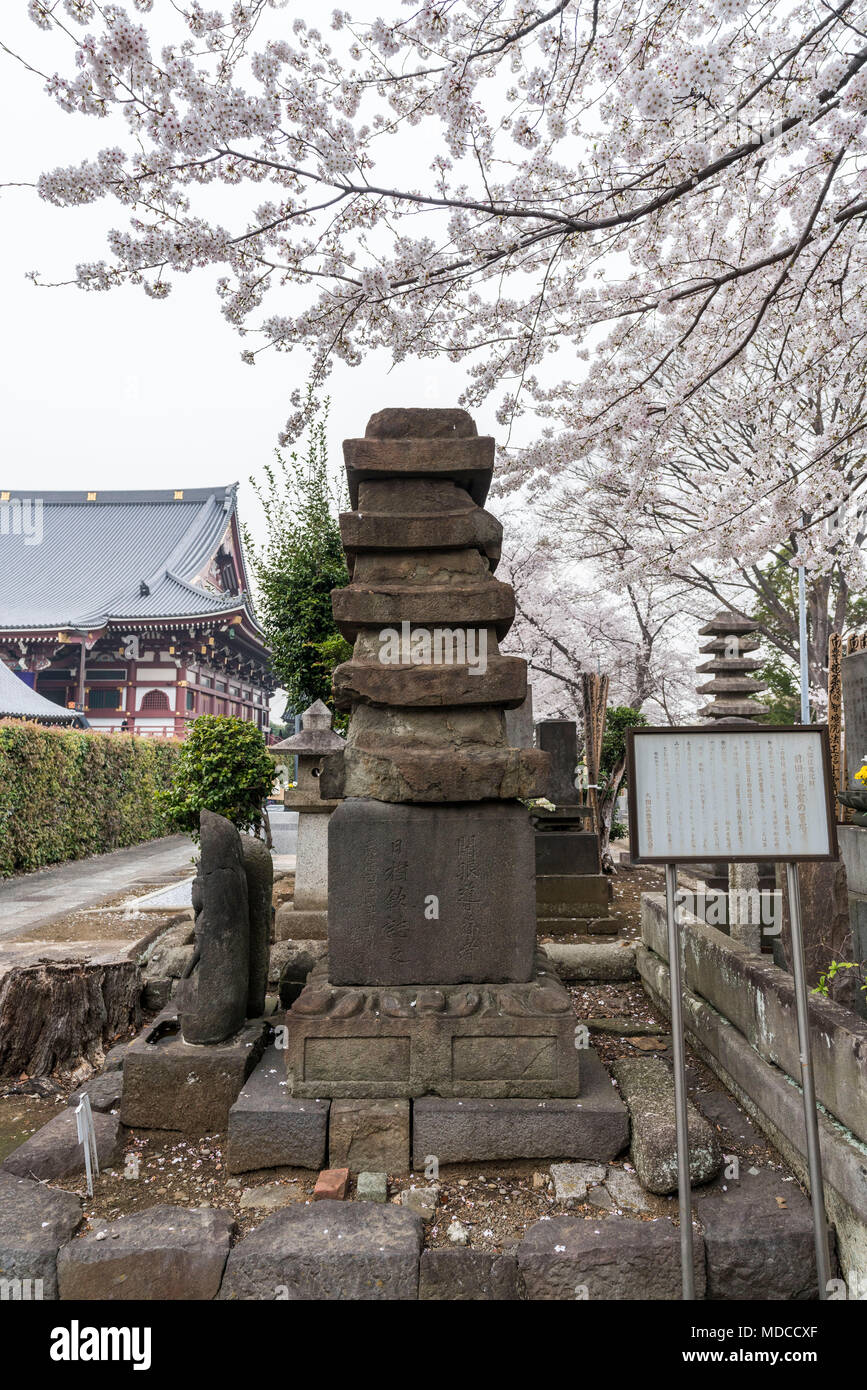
pixel 729 496
pixel 637 637
pixel 612 199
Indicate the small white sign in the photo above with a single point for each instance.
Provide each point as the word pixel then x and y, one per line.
pixel 730 794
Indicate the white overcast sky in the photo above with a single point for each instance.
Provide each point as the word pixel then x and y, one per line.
pixel 116 390
pixel 120 391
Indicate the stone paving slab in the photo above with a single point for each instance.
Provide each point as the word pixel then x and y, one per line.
pixel 165 1252
pixel 35 1221
pixel 270 1129
pixel 329 1251
pixel 594 1126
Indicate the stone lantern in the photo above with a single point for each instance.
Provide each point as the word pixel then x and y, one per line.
pixel 306 916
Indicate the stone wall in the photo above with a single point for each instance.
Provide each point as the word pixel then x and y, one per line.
pixel 739 1013
pixel 759 999
pixel 853 852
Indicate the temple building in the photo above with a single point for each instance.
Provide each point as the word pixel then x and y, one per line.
pixel 132 607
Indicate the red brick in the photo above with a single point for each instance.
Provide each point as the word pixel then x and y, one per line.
pixel 331 1183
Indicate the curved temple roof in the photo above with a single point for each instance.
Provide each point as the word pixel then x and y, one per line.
pixel 18 701
pixel 83 559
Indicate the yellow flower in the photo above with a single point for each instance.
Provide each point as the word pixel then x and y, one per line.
pixel 861 775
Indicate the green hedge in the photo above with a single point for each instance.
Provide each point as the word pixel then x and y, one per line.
pixel 67 793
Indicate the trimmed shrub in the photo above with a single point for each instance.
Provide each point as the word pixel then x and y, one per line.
pixel 67 793
pixel 225 767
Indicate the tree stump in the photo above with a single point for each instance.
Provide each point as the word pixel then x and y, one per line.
pixel 56 1014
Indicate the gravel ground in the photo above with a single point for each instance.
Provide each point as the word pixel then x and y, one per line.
pixel 99 924
pixel 495 1203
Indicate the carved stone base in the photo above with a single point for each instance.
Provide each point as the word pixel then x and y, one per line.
pixel 169 1083
pixel 482 1040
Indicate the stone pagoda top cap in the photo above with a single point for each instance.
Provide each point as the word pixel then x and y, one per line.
pixel 411 445
pixel 418 422
pixel 317 735
pixel 724 623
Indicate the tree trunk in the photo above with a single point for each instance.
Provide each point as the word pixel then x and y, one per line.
pixel 56 1014
pixel 607 802
pixel 824 923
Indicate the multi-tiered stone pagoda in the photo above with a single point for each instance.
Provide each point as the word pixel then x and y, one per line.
pixel 432 982
pixel 731 667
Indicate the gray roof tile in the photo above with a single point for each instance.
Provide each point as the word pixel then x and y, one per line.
pixel 94 556
pixel 18 701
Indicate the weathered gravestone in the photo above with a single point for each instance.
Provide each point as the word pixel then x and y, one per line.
pixel 431 984
pixel 213 1003
pixel 559 739
pixel 185 1072
pixel 259 872
pixel 572 893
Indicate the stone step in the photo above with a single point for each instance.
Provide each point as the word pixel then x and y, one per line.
pixel 578 926
pixel 593 1126
pixel 605 961
pixel 294 924
pixel 567 852
pixel 573 895
pixel 270 1129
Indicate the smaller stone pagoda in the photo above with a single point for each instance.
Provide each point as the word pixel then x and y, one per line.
pixel 316 740
pixel 731 667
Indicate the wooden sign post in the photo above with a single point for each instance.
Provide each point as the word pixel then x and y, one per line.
pixel 733 794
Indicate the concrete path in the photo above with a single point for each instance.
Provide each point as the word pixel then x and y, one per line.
pixel 157 868
pixel 34 900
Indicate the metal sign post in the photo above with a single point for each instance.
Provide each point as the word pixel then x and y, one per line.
pixel 684 1187
pixel 811 1121
pixel 738 794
